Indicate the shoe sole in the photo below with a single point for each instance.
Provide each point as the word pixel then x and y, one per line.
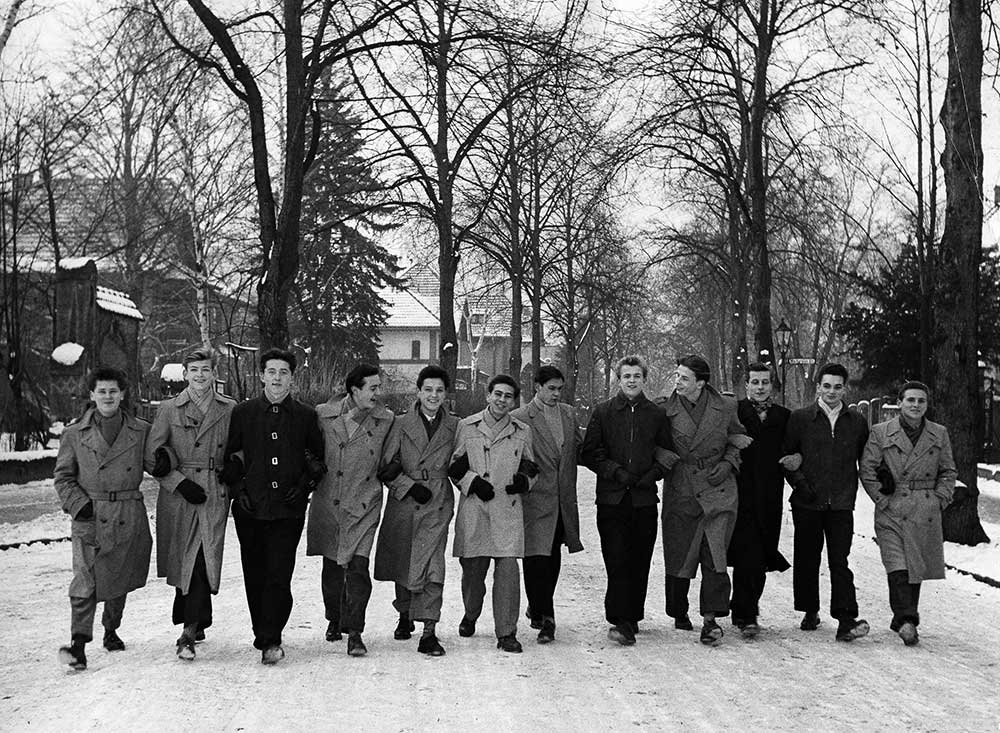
pixel 357 652
pixel 546 639
pixel 750 631
pixel 186 654
pixel 272 661
pixel 68 659
pixel 617 636
pixel 401 637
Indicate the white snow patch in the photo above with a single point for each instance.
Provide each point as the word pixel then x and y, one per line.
pixel 115 301
pixel 57 427
pixel 29 455
pixel 982 559
pixel 48 526
pixel 989 487
pixel 68 353
pixel 74 263
pixel 172 372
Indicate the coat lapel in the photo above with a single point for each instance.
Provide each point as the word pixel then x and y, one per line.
pixel 215 413
pixel 125 441
pixel 444 435
pixel 709 421
pixel 683 426
pixel 927 440
pixel 540 428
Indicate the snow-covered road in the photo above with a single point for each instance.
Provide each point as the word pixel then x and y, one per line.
pixel 786 679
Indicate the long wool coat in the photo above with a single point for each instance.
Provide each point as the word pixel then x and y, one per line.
pixel 554 492
pixel 88 469
pixel 692 507
pixel 908 521
pixel 413 537
pixel 494 528
pixel 761 487
pixel 346 508
pixel 197 446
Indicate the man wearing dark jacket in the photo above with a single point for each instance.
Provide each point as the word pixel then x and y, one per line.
pixel 753 549
pixel 830 438
pixel 274 459
pixel 620 445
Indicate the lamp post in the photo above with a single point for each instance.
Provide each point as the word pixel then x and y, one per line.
pixel 783 337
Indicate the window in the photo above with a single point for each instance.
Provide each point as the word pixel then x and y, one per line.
pixel 415 349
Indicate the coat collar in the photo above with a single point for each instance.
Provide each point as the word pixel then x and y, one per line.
pixel 412 424
pixel 683 424
pixel 336 409
pixel 932 435
pixel 478 421
pixel 130 434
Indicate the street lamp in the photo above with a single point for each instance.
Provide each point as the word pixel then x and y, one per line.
pixel 783 336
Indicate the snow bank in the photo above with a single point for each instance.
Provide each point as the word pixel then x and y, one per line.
pixel 28 455
pixel 48 526
pixel 983 559
pixel 989 487
pixel 172 372
pixel 68 353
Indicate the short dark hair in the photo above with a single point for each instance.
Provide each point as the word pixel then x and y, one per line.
pixel 632 360
pixel 200 354
pixel 105 373
pixel 913 384
pixel 504 379
pixel 547 373
pixel 356 377
pixel 697 365
pixel 834 370
pixel 757 366
pixel 433 371
pixel 278 354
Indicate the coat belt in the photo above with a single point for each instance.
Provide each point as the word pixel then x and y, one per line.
pixel 700 463
pixel 425 475
pixel 128 494
pixel 916 485
pixel 209 464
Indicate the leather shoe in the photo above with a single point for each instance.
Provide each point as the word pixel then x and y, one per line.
pixel 333 631
pixel 272 654
pixel 73 655
pixel 711 633
pixel 510 644
pixel 908 633
pixel 622 633
pixel 848 629
pixel 683 623
pixel 355 646
pixel 536 621
pixel 430 646
pixel 404 629
pixel 548 631
pixel 185 648
pixel 810 622
pixel 113 642
pixel 199 635
pixel 466 627
pixel 750 628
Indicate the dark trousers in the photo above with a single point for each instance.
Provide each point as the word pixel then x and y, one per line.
pixel 541 574
pixel 627 537
pixel 346 592
pixel 714 595
pixel 749 577
pixel 904 597
pixel 811 527
pixel 195 606
pixel 82 611
pixel 267 551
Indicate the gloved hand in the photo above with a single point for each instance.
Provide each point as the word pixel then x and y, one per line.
pixel 191 491
pixel 648 480
pixel 419 493
pixel 625 478
pixel 315 468
pixel 241 497
pixel 162 466
pixel 389 472
pixel 86 511
pixel 518 485
pixel 232 471
pixel 482 488
pixel 720 472
pixel 528 467
pixel 459 468
pixel 296 493
pixel 804 492
pixel 884 476
pixel 791 462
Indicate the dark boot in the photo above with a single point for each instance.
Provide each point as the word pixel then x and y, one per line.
pixel 510 644
pixel 112 642
pixel 404 629
pixel 430 646
pixel 333 631
pixel 548 630
pixel 355 646
pixel 810 622
pixel 73 655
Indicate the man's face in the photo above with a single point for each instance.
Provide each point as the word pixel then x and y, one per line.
pixel 687 385
pixel 631 381
pixel 500 400
pixel 107 395
pixel 431 395
pixel 913 404
pixel 550 392
pixel 759 386
pixel 277 379
pixel 832 390
pixel 367 395
pixel 200 375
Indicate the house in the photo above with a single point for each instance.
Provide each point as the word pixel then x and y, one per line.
pixel 409 338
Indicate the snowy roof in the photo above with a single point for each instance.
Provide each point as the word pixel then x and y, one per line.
pixel 408 310
pixel 115 301
pixel 172 372
pixel 423 279
pixel 67 353
pixel 74 263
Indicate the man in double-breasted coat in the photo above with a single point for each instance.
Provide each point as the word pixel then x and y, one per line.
pixel 347 505
pixel 97 476
pixel 551 518
pixel 186 447
pixel 908 470
pixel 414 532
pixel 491 463
pixel 753 549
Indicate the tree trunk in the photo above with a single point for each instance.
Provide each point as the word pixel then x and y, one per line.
pixel 959 406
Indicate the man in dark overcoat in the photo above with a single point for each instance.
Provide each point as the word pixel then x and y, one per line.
pixel 753 549
pixel 274 460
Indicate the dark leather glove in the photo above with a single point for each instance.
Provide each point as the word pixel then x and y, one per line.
pixel 389 472
pixel 518 485
pixel 162 466
pixel 884 476
pixel 232 471
pixel 482 488
pixel 419 493
pixel 720 472
pixel 459 468
pixel 191 491
pixel 86 511
pixel 528 467
pixel 648 480
pixel 296 493
pixel 315 468
pixel 804 492
pixel 241 498
pixel 625 478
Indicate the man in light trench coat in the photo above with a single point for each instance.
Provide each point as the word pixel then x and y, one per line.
pixel 347 506
pixel 491 466
pixel 186 447
pixel 414 533
pixel 97 476
pixel 551 518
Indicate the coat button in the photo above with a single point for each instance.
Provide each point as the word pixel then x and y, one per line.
pixel 340 473
pixel 197 444
pixel 197 470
